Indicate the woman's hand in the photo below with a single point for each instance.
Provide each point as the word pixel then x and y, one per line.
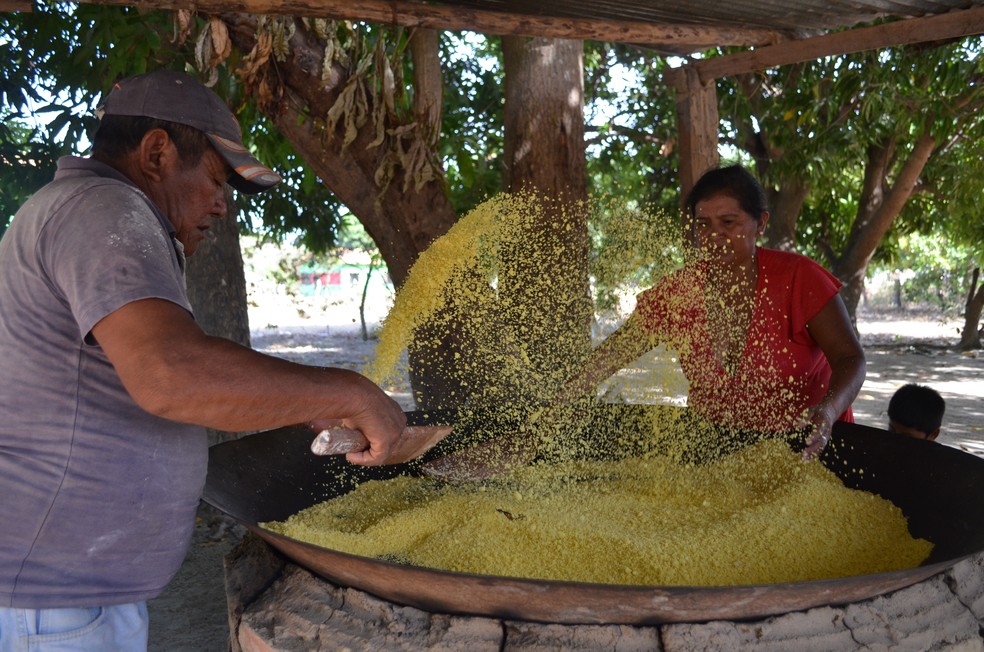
pixel 832 330
pixel 819 422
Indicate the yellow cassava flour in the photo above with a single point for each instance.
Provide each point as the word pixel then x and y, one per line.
pixel 755 516
pixel 760 515
pixel 467 314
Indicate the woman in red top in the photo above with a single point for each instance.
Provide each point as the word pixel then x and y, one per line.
pixel 762 335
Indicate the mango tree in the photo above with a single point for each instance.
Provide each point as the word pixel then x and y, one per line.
pixel 353 111
pixel 849 146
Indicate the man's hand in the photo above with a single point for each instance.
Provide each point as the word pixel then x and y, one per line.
pixel 383 428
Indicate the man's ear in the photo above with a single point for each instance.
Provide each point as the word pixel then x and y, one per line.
pixel 933 435
pixel 155 154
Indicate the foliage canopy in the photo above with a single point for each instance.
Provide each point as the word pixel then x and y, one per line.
pixel 814 124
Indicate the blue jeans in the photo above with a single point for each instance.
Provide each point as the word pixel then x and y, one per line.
pixel 119 628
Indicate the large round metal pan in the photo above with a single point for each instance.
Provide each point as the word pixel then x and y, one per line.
pixel 271 475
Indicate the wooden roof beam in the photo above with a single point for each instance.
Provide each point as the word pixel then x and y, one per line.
pixel 15 5
pixel 415 14
pixel 955 24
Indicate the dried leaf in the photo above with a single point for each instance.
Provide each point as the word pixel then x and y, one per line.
pixel 203 50
pixel 347 50
pixel 256 59
pixel 417 161
pixel 334 50
pixel 327 61
pixel 264 96
pixel 403 130
pixel 213 77
pixel 418 170
pixel 351 106
pixel 389 89
pixel 384 173
pixel 342 105
pixel 379 120
pixel 416 166
pixel 324 29
pixel 357 115
pixel 183 22
pixel 221 45
pixel 282 30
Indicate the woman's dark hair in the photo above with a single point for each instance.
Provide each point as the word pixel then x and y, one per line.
pixel 732 181
pixel 118 135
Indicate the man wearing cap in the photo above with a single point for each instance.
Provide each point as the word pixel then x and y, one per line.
pixel 108 383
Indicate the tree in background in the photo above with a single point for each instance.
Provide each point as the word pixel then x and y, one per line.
pixel 631 129
pixel 408 130
pixel 353 112
pixel 941 271
pixel 54 63
pixel 852 146
pixel 30 162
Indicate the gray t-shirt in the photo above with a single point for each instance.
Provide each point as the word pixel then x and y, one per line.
pixel 97 496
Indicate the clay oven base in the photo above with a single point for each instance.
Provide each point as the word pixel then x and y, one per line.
pixel 277 606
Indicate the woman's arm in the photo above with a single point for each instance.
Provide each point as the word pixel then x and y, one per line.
pixel 831 328
pixel 620 348
pixel 500 455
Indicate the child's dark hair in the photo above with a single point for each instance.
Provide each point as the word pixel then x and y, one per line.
pixel 917 406
pixel 732 181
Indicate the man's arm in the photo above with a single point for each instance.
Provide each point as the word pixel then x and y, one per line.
pixel 175 370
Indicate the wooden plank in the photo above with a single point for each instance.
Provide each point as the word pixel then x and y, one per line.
pixel 966 22
pixel 15 5
pixel 415 14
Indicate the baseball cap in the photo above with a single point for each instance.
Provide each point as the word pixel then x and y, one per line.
pixel 177 97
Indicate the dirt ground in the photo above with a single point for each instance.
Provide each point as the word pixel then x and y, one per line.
pixel 900 347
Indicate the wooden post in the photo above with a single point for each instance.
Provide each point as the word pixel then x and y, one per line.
pixel 697 126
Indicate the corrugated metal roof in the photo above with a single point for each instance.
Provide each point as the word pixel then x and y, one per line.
pixel 800 17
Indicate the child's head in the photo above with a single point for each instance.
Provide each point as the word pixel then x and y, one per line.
pixel 916 411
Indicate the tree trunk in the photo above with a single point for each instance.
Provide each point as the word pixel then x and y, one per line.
pixel 785 205
pixel 879 205
pixel 970 336
pixel 377 163
pixel 544 152
pixel 217 283
pixel 401 215
pixel 544 133
pixel 428 84
pixel 217 290
pixel 363 330
pixel 402 211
